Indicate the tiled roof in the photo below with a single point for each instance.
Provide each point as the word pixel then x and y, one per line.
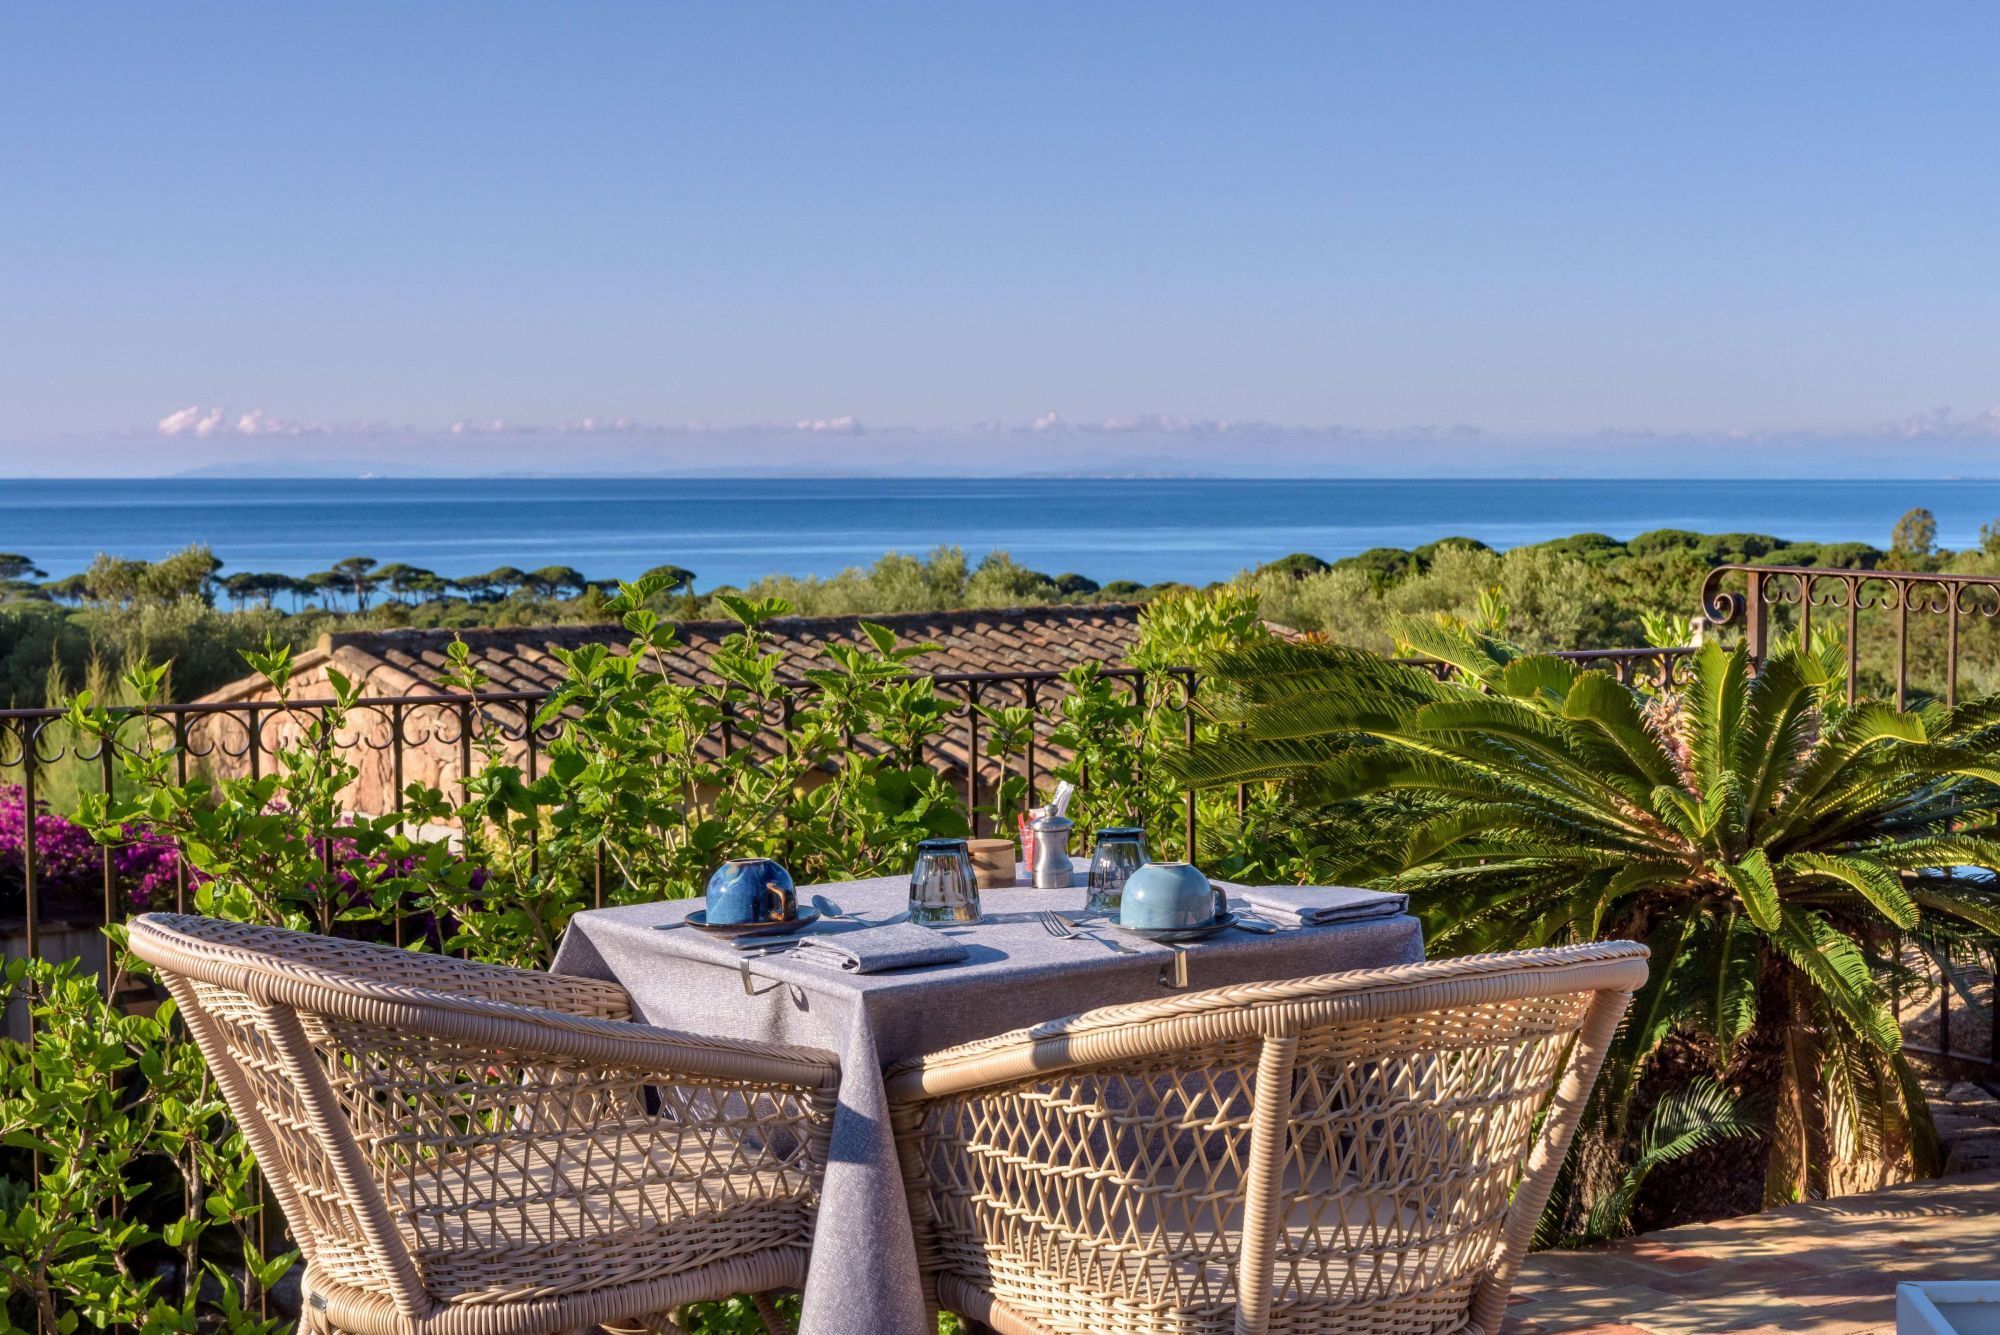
pixel 1015 639
pixel 1019 639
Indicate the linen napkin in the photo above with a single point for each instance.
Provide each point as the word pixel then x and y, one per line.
pixel 896 945
pixel 1317 905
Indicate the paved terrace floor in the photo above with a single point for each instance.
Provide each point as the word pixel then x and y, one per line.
pixel 1823 1268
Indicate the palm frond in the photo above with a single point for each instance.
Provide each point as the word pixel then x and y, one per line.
pixel 1285 669
pixel 1926 1154
pixel 1717 695
pixel 1648 1020
pixel 1602 708
pixel 1755 888
pixel 1978 906
pixel 1863 727
pixel 1775 726
pixel 1971 722
pixel 1541 678
pixel 1481 658
pixel 1698 1115
pixel 1721 982
pixel 1867 877
pixel 1840 972
pixel 1234 758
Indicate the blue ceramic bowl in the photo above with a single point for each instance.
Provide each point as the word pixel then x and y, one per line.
pixel 751 890
pixel 1162 895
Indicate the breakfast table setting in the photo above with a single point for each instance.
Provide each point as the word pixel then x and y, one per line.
pixel 887 969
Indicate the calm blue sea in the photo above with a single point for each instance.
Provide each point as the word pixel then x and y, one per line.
pixel 730 531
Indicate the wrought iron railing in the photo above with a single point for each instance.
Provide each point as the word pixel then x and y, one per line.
pixel 1644 667
pixel 1910 630
pixel 394 738
pixel 1950 1011
pixel 1908 635
pixel 398 739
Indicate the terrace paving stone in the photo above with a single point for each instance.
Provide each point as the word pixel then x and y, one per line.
pixel 1820 1267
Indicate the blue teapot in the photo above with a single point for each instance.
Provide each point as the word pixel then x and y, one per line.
pixel 1160 896
pixel 745 890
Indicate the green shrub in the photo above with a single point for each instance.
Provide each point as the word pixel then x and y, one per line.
pixel 127 1198
pixel 1297 565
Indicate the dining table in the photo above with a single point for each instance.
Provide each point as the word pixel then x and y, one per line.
pixel 862 1278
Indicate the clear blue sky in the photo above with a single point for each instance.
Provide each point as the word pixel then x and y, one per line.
pixel 1540 220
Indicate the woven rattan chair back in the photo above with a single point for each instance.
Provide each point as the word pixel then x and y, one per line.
pixel 474 1150
pixel 1359 1152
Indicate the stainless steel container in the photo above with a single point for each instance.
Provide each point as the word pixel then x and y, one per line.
pixel 1052 869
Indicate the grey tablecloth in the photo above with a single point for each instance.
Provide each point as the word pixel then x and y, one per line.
pixel 863 1277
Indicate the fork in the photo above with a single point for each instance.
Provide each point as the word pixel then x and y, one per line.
pixel 1056 925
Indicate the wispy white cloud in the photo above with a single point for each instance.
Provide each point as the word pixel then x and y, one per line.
pixel 257 422
pixel 1154 424
pixel 1165 425
pixel 628 426
pixel 1943 423
pixel 200 422
pixel 193 420
pixel 205 423
pixel 837 426
pixel 580 426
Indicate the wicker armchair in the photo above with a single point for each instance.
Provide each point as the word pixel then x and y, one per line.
pixel 1356 1152
pixel 469 1150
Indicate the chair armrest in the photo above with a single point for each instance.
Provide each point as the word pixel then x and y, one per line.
pixel 204 946
pixel 510 1030
pixel 1192 1019
pixel 571 995
pixel 520 1032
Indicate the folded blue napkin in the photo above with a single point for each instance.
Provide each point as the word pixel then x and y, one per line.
pixel 896 945
pixel 1317 905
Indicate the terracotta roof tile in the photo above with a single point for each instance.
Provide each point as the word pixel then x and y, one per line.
pixel 1032 639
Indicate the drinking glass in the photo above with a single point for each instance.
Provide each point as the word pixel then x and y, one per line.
pixel 942 886
pixel 1120 851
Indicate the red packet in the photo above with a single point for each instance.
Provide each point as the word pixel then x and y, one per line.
pixel 1027 821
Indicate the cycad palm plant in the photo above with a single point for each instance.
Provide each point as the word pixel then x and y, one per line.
pixel 1768 840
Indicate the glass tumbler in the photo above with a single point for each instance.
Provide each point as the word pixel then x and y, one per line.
pixel 1120 851
pixel 942 886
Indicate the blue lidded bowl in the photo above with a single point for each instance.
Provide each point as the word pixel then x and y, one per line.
pixel 1163 895
pixel 745 890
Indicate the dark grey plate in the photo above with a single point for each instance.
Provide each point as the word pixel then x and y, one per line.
pixel 699 921
pixel 1172 936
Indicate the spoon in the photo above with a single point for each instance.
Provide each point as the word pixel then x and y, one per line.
pixel 828 909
